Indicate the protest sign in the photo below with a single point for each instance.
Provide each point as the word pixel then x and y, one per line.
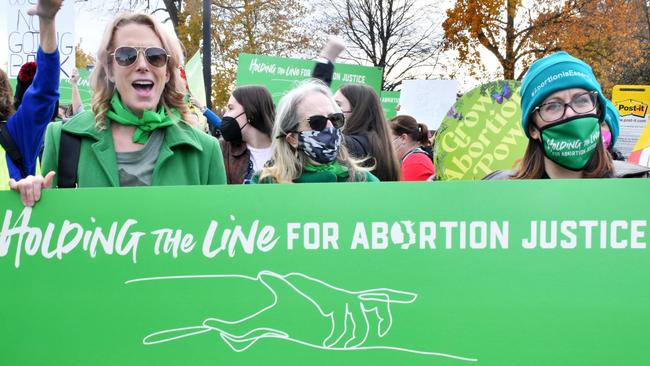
pixel 23 36
pixel 83 84
pixel 428 100
pixel 389 102
pixel 65 90
pixel 281 74
pixel 234 275
pixel 632 103
pixel 481 133
pixel 194 74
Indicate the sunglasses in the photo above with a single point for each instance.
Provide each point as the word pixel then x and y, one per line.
pixel 319 123
pixel 126 56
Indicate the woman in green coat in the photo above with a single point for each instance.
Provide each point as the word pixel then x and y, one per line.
pixel 136 133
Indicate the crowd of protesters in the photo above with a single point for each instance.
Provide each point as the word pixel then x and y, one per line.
pixel 141 129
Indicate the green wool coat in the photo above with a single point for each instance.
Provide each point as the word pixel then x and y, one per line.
pixel 187 155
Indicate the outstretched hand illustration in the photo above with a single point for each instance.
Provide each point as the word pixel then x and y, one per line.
pixel 338 319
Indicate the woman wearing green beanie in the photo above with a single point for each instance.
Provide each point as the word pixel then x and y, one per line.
pixel 562 108
pixel 137 133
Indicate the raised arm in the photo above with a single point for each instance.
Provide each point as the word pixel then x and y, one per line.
pixel 28 124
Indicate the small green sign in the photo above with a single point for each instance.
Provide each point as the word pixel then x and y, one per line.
pixel 233 275
pixel 281 74
pixel 481 133
pixel 390 101
pixel 65 90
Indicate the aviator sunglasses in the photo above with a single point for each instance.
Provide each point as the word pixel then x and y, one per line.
pixel 126 56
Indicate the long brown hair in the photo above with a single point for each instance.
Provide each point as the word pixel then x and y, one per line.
pixel 367 119
pixel 258 106
pixel 6 97
pixel 532 165
pixel 172 95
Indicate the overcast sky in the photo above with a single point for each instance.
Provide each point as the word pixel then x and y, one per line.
pixel 91 21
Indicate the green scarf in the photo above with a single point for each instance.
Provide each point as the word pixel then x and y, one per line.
pixel 334 167
pixel 145 125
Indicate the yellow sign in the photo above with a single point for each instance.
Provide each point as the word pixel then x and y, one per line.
pixel 632 107
pixel 632 103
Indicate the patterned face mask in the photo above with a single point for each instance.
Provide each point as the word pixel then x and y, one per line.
pixel 321 146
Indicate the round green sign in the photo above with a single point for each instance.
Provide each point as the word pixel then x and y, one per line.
pixel 481 133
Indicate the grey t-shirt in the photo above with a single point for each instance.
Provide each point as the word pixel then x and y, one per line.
pixel 136 168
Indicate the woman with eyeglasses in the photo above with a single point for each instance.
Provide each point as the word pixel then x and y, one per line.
pixel 562 108
pixel 246 132
pixel 136 133
pixel 307 142
pixel 366 130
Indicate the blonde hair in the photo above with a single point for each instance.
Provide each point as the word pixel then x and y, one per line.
pixel 103 88
pixel 286 162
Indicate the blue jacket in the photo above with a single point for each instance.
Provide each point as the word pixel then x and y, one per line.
pixel 27 126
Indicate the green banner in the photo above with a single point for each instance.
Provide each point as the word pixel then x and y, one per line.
pixel 390 101
pixel 493 273
pixel 281 74
pixel 481 133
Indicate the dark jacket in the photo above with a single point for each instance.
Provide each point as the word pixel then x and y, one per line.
pixel 236 158
pixel 621 170
pixel 358 146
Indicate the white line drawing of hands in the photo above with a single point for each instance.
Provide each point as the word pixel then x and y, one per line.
pixel 347 317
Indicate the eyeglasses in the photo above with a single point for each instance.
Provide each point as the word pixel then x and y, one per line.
pixel 581 104
pixel 126 56
pixel 319 122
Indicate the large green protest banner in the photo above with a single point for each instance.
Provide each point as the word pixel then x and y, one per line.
pixel 281 74
pixel 481 133
pixel 490 273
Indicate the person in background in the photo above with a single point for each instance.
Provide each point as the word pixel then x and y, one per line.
pixel 68 111
pixel 366 131
pixel 562 108
pixel 611 116
pixel 136 133
pixel 307 143
pixel 37 94
pixel 246 131
pixel 408 138
pixel 209 115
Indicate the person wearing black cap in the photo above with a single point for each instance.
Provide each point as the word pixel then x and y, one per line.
pixel 35 101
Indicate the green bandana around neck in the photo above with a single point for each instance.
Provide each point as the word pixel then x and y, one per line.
pixel 334 167
pixel 572 142
pixel 150 120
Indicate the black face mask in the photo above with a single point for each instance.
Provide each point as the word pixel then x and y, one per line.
pixel 230 129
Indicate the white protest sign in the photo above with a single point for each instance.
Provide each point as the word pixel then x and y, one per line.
pixel 428 101
pixel 23 36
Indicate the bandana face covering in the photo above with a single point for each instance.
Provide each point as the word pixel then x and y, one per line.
pixel 571 143
pixel 321 146
pixel 145 125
